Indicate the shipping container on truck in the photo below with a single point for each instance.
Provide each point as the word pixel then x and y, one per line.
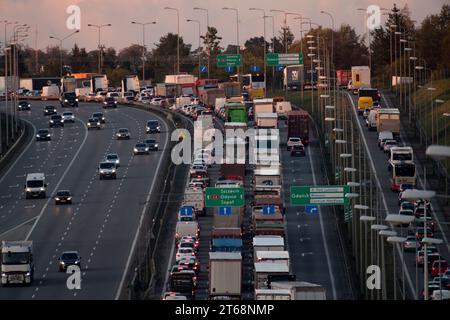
pixel 236 112
pixel 266 120
pixel 203 84
pixel 180 78
pixel 234 220
pixel 301 290
pixel 267 224
pixel 273 256
pixel 298 125
pixel 99 83
pixel 194 197
pixel 231 89
pixel 307 85
pixel 233 233
pixel 225 275
pixel 130 83
pixel 282 108
pixel 265 269
pixel 263 105
pixel 360 77
pixel 267 243
pixel 292 77
pixel 343 77
pixel 226 245
pixel 219 104
pixel 209 96
pixel 388 120
pixel 166 89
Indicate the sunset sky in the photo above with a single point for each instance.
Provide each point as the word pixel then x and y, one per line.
pixel 50 17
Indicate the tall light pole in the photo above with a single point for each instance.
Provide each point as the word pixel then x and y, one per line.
pixel 368 35
pixel 178 36
pixel 60 49
pixel 143 24
pixel 265 49
pixel 273 49
pixel 199 55
pixel 237 37
pixel 284 23
pixel 207 30
pixel 100 48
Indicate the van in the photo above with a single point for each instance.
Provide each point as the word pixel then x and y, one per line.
pixel 383 136
pixel 35 186
pixel 364 103
pixel 372 120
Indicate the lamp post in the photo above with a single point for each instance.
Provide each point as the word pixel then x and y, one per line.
pixel 397 240
pixel 199 55
pixel 377 228
pixel 273 49
pixel 237 37
pixel 100 48
pixel 368 35
pixel 365 220
pixel 384 233
pixel 207 30
pixel 265 49
pixel 60 48
pixel 178 36
pixel 143 24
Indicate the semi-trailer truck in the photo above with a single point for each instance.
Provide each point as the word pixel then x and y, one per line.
pixel 225 275
pixel 298 125
pixel 17 265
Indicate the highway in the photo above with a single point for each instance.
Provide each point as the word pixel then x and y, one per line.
pixel 312 239
pixel 102 222
pixel 390 199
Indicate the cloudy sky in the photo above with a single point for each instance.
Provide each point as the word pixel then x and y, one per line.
pixel 50 18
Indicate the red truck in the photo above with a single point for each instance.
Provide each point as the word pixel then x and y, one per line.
pixel 343 77
pixel 298 125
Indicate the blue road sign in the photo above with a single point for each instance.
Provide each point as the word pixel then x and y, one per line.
pixel 203 69
pixel 224 211
pixel 280 67
pixel 268 210
pixel 186 211
pixel 311 209
pixel 229 69
pixel 255 68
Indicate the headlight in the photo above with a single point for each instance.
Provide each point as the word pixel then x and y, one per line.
pixel 98 123
pixel 158 128
pixel 101 171
pixel 57 199
pixel 28 190
pixel 115 101
pixel 62 262
pixel 117 161
pixel 29 106
pixel 113 170
pixel 42 189
pixel 37 136
pixel 105 102
pixel 135 150
pixel 51 121
pixel 65 100
pixel 148 128
pixel 146 149
pixel 76 99
pixel 69 198
pixel 156 145
pixel 4 275
pixel 89 124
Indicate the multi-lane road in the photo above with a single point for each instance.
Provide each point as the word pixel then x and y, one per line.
pixel 103 220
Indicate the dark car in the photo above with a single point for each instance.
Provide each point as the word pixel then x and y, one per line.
pixel 109 102
pixel 123 133
pixel 152 144
pixel 49 110
pixel 420 233
pixel 153 127
pixel 63 197
pixel 24 105
pixel 56 121
pixel 69 99
pixel 141 148
pixel 69 258
pixel 99 116
pixel 43 135
pixel 94 123
pixel 298 150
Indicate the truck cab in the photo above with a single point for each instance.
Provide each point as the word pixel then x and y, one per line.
pixel 35 186
pixel 17 265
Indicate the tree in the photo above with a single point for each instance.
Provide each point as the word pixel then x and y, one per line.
pixel 255 46
pixel 211 42
pixel 165 56
pixel 286 37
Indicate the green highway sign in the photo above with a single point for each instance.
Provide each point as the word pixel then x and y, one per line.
pixel 319 195
pixel 229 60
pixel 224 197
pixel 274 59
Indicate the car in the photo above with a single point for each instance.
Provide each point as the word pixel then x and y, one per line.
pixel 113 95
pixel 198 168
pixel 56 120
pixel 432 251
pixel 49 110
pixel 43 135
pixel 113 158
pixel 63 196
pixel 128 96
pixel 110 102
pixel 68 117
pixel 123 133
pixel 420 211
pixel 188 243
pixel 407 205
pixel 438 267
pixel 100 96
pixel 292 141
pixel 183 253
pixel 178 268
pixel 144 99
pixel 99 116
pixel 69 258
pixel 411 244
pixel 90 97
pixel 423 203
pixel 156 101
pixel 298 150
pixel 94 123
pixel 23 105
pixel 388 144
pixel 153 127
pixel 447 274
pixel 68 99
pixel 152 144
pixel 191 263
pixel 141 148
pixel 420 233
pixel 107 170
pixel 430 222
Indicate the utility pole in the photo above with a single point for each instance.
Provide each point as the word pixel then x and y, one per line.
pixel 143 45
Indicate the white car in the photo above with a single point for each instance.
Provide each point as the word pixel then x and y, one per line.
pixel 156 101
pixel 113 158
pixel 114 95
pixel 293 141
pixel 144 99
pixel 68 117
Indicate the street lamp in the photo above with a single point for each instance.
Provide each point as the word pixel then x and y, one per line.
pixel 377 228
pixel 397 240
pixel 207 30
pixel 237 36
pixel 143 45
pixel 100 48
pixel 178 36
pixel 60 48
pixel 199 55
pixel 365 264
pixel 384 233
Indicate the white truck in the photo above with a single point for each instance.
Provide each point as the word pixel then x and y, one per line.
pixel 266 120
pixel 263 106
pixel 273 294
pixel 220 103
pixel 273 256
pixel 99 83
pixel 282 108
pixel 264 269
pixel 186 228
pixel 267 243
pixel 130 84
pixel 35 186
pixel 360 77
pixel 17 265
pixel 194 197
pixel 50 92
pixel 180 78
pixel 225 275
pixel 301 290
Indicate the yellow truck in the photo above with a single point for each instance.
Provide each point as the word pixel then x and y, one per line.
pixel 364 103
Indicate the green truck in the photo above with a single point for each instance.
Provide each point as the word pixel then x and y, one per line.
pixel 236 112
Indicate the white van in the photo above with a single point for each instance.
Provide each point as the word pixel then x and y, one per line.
pixel 383 136
pixel 372 120
pixel 35 186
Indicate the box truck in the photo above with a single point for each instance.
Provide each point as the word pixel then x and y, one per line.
pixel 301 290
pixel 360 77
pixel 17 264
pixel 298 125
pixel 343 77
pixel 99 83
pixel 194 197
pixel 130 83
pixel 388 120
pixel 264 269
pixel 225 275
pixel 293 77
pixel 282 108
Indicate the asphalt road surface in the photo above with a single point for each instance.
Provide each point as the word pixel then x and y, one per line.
pixel 102 221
